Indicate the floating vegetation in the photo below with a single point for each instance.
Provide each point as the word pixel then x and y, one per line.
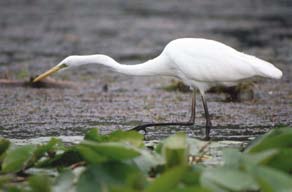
pixel 120 161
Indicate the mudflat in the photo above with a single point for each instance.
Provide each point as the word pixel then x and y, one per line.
pixel 35 35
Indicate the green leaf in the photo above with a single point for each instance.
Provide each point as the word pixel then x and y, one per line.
pixel 40 183
pixel 123 189
pixel 236 160
pixel 93 135
pixel 232 158
pixel 221 179
pixel 175 150
pixel 114 151
pixel 190 189
pixel 48 149
pixel 131 137
pixel 110 175
pixel 52 146
pixel 271 180
pixel 276 138
pixel 68 157
pixel 281 161
pixel 192 176
pixel 148 160
pixel 17 158
pixel 263 157
pixel 90 155
pixel 89 181
pixel 64 182
pixel 14 189
pixel 168 180
pixel 4 144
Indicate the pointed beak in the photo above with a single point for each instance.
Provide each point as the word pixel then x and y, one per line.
pixel 47 73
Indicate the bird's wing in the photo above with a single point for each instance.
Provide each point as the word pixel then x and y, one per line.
pixel 209 61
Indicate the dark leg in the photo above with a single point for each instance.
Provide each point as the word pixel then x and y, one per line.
pixel 193 110
pixel 208 120
pixel 189 123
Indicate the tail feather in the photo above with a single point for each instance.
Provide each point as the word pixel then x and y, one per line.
pixel 264 68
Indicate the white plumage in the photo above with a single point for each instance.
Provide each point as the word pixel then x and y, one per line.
pixel 199 63
pixel 204 63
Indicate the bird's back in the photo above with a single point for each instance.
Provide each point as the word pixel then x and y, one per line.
pixel 211 61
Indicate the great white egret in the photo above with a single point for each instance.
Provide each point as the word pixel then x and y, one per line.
pixel 199 63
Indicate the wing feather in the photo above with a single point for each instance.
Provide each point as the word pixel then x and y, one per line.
pixel 208 61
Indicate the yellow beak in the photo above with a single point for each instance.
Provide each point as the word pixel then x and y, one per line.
pixel 47 73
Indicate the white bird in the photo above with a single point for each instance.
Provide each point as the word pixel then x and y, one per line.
pixel 199 63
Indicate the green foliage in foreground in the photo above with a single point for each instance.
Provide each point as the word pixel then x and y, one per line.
pixel 119 162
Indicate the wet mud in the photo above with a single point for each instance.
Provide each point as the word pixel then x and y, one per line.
pixel 47 83
pixel 36 35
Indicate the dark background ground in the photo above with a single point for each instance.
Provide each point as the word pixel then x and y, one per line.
pixel 37 34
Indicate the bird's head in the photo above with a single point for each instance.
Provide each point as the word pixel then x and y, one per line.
pixel 64 64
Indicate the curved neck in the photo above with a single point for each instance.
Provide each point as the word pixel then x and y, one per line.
pixel 156 66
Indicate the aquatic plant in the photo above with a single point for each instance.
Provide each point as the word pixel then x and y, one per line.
pixel 120 161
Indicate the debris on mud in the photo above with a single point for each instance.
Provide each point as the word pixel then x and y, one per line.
pixel 241 92
pixel 47 83
pixel 176 85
